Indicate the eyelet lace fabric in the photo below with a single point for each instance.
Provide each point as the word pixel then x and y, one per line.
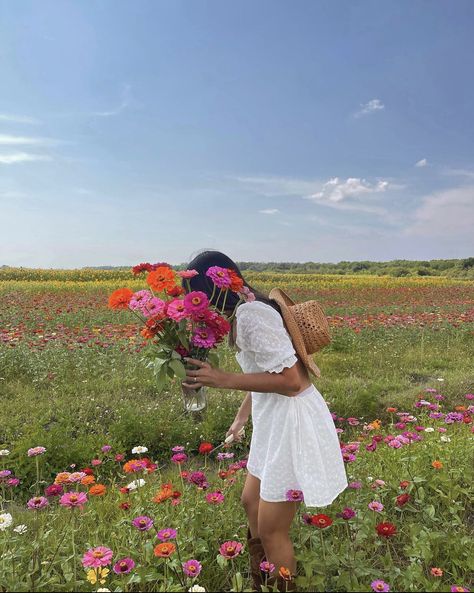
pixel 294 441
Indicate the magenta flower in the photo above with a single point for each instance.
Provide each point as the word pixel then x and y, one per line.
pixel 73 499
pixel 267 567
pixel 196 301
pixel 469 396
pixel 192 568
pixel 355 485
pixel 12 482
pixel 54 490
pixel 215 497
pixel 96 462
pixel 203 337
pixel 178 449
pixel 97 557
pixel 124 566
pixel 166 534
pixel 220 276
pixel 34 451
pixel 106 448
pixel 230 549
pixel 348 457
pixel 395 444
pixel 37 502
pixel 347 514
pixel 5 473
pixel 459 589
pixel 143 523
pixel 139 300
pixel 376 506
pixel 294 496
pixel 380 586
pixel 199 479
pixel 179 458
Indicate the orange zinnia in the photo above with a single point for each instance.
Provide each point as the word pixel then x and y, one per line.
pixel 62 478
pixel 437 464
pixel 87 480
pixel 161 279
pixel 285 573
pixel 164 550
pixel 146 333
pixel 236 281
pixel 97 490
pixel 162 495
pixel 391 410
pixel 120 298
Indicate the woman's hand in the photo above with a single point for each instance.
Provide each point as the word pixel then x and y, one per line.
pixel 205 376
pixel 236 430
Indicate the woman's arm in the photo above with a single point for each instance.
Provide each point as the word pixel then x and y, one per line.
pixel 241 418
pixel 288 382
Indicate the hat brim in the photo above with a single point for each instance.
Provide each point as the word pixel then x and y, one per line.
pixel 285 302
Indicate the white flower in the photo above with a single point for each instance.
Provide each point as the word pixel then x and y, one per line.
pixel 21 529
pixel 445 439
pixel 440 379
pixel 4 452
pixel 369 478
pixel 5 521
pixel 104 589
pixel 136 484
pixel 138 450
pixel 429 429
pixel 196 588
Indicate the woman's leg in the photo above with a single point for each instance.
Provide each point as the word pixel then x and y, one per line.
pixel 274 522
pixel 250 500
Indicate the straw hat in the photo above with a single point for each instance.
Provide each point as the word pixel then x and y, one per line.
pixel 307 325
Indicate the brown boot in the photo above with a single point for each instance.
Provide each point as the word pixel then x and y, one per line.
pixel 257 555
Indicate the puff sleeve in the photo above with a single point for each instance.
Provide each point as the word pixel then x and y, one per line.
pixel 262 333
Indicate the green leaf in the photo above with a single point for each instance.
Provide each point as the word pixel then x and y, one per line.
pixel 178 368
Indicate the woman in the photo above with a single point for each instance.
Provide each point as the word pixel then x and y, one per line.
pixel 294 452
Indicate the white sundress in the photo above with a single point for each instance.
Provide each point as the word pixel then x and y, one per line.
pixel 294 443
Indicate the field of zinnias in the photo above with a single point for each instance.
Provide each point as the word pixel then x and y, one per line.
pixel 106 485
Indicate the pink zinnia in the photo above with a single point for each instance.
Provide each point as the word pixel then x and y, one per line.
pixel 230 549
pixel 220 276
pixel 395 444
pixel 154 306
pixel 178 449
pixel 267 567
pixel 106 448
pixel 97 557
pixel 355 485
pixel 347 514
pixel 124 566
pixel 143 523
pixel 203 337
pixel 73 499
pixel 215 497
pixel 177 310
pixel 166 534
pixel 34 451
pixel 294 496
pixel 37 502
pixel 380 586
pixel 187 273
pixel 376 506
pixel 179 458
pixel 192 568
pixel 196 301
pixel 139 300
pixel 96 462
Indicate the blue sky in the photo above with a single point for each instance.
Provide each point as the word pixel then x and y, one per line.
pixel 271 130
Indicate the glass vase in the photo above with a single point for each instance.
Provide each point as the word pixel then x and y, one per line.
pixel 195 400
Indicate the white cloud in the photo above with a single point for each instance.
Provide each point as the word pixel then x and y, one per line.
pixel 422 163
pixel 269 211
pixel 370 107
pixel 459 173
pixel 9 140
pixel 19 119
pixel 447 214
pixel 22 157
pixel 336 190
pixel 277 186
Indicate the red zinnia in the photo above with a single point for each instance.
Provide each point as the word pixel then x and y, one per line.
pixel 205 448
pixel 404 485
pixel 321 521
pixel 402 499
pixel 386 529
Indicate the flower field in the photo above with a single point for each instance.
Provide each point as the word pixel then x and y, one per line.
pixel 107 485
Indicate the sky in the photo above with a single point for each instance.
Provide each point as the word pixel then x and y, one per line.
pixel 273 131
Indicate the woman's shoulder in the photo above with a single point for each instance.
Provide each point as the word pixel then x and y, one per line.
pixel 256 309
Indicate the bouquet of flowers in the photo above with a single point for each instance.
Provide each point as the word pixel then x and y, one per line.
pixel 180 323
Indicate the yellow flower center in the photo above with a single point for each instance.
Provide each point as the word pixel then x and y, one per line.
pixel 98 554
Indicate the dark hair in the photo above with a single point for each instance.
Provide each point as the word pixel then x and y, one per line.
pixel 205 260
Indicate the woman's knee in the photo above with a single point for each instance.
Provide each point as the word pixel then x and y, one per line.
pixel 250 503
